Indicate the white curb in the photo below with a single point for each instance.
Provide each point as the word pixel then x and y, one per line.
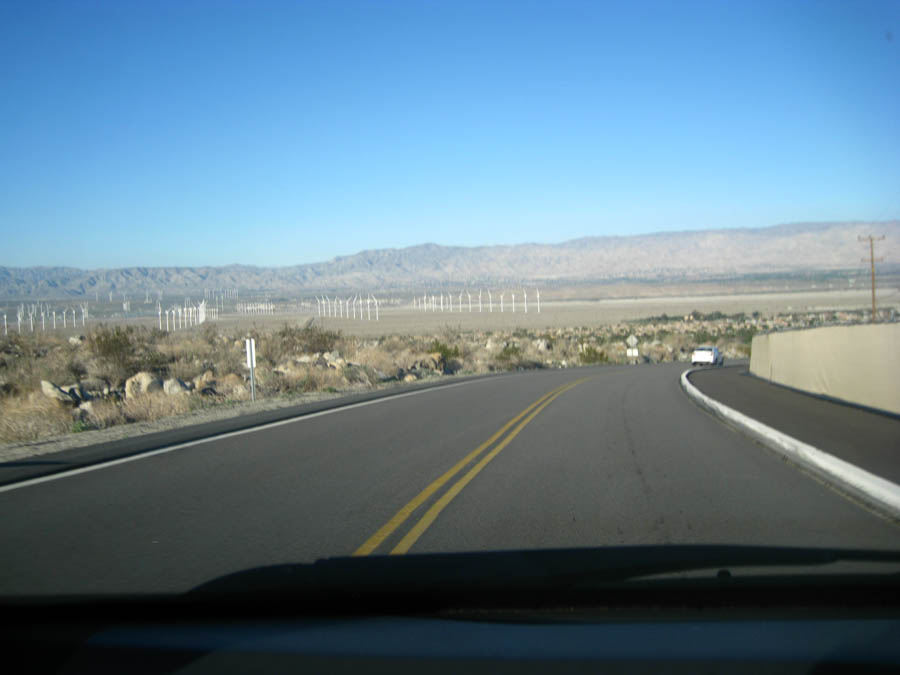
pixel 878 493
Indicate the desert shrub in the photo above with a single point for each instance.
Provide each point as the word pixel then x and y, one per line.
pixel 209 334
pixel 290 340
pixel 25 360
pixel 446 351
pixel 509 353
pixel 105 414
pixel 31 418
pixel 592 355
pixel 122 351
pixel 115 350
pixel 149 407
pixel 704 337
pixel 511 357
pixel 377 357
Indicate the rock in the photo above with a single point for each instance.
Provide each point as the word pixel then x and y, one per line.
pixel 410 377
pixel 232 385
pixel 142 383
pixel 204 380
pixel 175 387
pixel 50 390
pixel 74 390
pixel 541 345
pixel 76 340
pixel 94 387
pixel 431 362
pixel 306 358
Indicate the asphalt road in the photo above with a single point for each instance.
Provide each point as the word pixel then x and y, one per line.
pixel 861 436
pixel 619 457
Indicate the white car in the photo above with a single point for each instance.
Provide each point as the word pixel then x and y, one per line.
pixel 707 356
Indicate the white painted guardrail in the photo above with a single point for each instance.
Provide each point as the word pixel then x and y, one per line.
pixel 876 492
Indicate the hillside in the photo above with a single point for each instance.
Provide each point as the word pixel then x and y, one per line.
pixel 681 255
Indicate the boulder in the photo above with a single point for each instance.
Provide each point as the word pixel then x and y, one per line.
pixel 336 365
pixel 306 358
pixel 541 345
pixel 175 387
pixel 94 387
pixel 50 390
pixel 142 383
pixel 205 380
pixel 76 340
pixel 410 377
pixel 232 385
pixel 76 391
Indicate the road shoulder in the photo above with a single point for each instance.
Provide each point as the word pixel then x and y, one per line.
pixel 876 491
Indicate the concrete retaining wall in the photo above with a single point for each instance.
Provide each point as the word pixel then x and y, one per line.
pixel 858 364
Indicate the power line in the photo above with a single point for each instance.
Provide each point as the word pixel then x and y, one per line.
pixel 872 260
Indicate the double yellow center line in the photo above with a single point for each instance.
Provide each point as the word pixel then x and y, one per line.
pixel 432 513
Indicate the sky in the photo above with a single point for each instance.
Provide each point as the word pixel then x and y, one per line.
pixel 277 133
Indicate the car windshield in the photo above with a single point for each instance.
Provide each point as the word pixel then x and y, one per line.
pixel 291 281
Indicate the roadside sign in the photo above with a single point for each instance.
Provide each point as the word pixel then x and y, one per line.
pixel 251 364
pixel 631 341
pixel 251 352
pixel 632 352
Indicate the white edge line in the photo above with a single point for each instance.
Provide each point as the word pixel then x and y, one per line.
pixel 208 439
pixel 877 492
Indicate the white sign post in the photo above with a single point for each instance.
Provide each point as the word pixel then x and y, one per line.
pixel 632 351
pixel 251 364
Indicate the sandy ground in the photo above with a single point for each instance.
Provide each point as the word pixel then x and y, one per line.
pixel 400 320
pixel 562 314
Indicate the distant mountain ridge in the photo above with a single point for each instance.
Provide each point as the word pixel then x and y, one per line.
pixel 690 254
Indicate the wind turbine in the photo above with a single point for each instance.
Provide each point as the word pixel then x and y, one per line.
pixel 490 301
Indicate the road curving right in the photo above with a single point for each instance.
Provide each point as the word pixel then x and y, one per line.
pixel 877 493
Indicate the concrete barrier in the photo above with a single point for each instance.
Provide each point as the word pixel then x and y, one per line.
pixel 857 364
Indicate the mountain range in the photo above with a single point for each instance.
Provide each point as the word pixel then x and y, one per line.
pixel 691 255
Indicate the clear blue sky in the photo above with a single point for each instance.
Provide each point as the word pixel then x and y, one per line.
pixel 276 133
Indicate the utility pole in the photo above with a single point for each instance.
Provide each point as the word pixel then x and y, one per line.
pixel 872 260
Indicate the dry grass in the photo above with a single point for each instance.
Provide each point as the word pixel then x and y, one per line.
pixel 31 418
pixel 149 407
pixel 115 353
